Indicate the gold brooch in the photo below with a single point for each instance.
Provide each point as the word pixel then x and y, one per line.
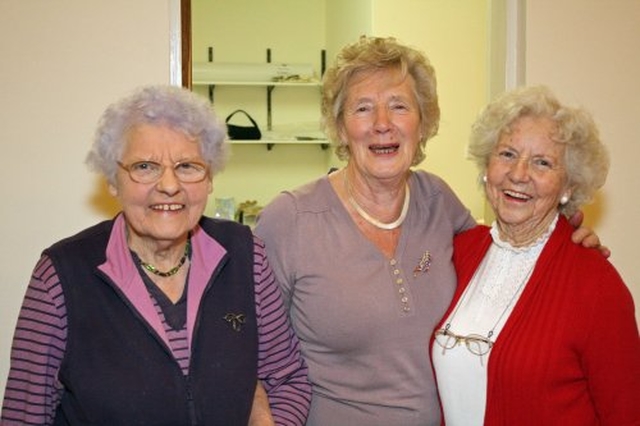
pixel 236 320
pixel 424 264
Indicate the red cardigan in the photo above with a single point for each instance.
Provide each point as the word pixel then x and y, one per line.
pixel 569 354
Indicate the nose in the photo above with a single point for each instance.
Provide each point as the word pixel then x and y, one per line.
pixel 520 170
pixel 382 120
pixel 168 181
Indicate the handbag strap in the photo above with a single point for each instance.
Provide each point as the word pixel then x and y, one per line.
pixel 245 113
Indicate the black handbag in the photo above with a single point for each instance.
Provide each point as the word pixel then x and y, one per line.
pixel 243 132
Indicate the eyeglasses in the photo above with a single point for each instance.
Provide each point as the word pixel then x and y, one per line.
pixel 476 344
pixel 151 172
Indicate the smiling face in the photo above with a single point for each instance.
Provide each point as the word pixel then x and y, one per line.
pixel 381 123
pixel 526 178
pixel 165 211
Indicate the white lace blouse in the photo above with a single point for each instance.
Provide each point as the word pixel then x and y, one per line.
pixel 484 307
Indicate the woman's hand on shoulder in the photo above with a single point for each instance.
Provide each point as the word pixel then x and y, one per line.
pixel 586 236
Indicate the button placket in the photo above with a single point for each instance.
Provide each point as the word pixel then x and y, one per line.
pixel 400 287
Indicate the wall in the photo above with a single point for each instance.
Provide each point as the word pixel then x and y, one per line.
pixel 587 52
pixel 345 22
pixel 63 61
pixel 455 37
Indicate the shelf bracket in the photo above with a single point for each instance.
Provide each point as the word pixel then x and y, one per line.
pixel 269 113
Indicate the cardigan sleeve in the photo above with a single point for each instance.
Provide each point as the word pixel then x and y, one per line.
pixel 33 392
pixel 611 357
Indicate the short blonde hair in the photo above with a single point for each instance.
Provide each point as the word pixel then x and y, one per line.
pixel 586 157
pixel 372 54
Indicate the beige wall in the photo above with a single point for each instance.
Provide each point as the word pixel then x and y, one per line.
pixel 62 62
pixel 587 51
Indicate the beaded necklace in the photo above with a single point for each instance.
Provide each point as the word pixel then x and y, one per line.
pixel 149 267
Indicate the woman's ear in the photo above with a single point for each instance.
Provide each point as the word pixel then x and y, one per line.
pixel 113 190
pixel 344 140
pixel 566 196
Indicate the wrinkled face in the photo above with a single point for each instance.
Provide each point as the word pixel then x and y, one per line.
pixel 381 123
pixel 526 176
pixel 168 208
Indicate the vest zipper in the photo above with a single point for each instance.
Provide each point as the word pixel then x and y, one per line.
pixel 191 407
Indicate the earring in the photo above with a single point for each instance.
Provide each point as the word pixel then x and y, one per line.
pixel 484 178
pixel 564 200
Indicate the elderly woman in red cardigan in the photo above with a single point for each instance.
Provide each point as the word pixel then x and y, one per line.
pixel 541 331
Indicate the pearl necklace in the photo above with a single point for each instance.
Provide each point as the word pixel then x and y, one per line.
pixel 375 222
pixel 149 267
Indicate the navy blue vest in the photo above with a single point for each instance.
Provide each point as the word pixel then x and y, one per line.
pixel 117 371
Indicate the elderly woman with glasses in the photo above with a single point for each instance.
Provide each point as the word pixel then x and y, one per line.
pixel 541 331
pixel 160 316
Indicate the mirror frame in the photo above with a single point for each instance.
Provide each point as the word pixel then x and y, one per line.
pixel 185 41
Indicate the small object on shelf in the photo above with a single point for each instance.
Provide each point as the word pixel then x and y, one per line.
pixel 248 212
pixel 209 72
pixel 309 138
pixel 225 208
pixel 243 132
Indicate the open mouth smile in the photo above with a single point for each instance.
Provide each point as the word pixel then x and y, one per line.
pixel 167 207
pixel 384 149
pixel 520 196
